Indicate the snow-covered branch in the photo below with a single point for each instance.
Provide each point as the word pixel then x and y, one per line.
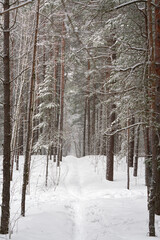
pixel 116 92
pixel 130 68
pixel 125 128
pixel 129 3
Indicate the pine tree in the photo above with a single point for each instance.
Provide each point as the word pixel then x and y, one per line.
pixel 46 107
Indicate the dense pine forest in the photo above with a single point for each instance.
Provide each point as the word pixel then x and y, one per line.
pixel 80 78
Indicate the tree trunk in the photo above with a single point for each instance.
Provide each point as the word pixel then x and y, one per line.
pixel 84 128
pixel 128 163
pixel 110 147
pixel 148 172
pixel 56 51
pixel 93 123
pixel 157 104
pixel 131 142
pixel 97 131
pixel 47 164
pixel 30 116
pixel 62 86
pixel 153 134
pixel 100 144
pixel 5 215
pixel 136 153
pixel 17 160
pixel 88 111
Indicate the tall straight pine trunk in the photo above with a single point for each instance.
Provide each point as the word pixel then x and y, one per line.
pixel 151 76
pixel 5 215
pixel 131 142
pixel 110 147
pixel 62 86
pixel 157 103
pixel 147 147
pixel 55 74
pixel 88 111
pixel 30 116
pixel 93 123
pixel 135 172
pixel 84 127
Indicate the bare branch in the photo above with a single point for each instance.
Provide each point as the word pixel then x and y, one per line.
pixel 20 74
pixel 15 19
pixel 14 3
pixel 16 7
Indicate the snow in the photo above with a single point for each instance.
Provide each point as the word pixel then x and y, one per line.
pixel 79 204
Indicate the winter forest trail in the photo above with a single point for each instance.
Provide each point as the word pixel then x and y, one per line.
pixel 84 206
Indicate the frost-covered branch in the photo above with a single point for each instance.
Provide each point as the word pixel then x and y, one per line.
pixel 130 68
pixel 116 92
pixel 98 57
pixel 138 49
pixel 131 2
pixel 125 128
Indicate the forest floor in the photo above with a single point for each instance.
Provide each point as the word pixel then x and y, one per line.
pixel 79 204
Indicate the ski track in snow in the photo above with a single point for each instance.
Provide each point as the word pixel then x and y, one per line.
pixel 74 189
pixel 84 206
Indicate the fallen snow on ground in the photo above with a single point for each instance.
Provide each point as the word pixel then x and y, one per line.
pixel 79 204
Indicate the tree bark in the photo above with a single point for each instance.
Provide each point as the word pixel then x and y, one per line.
pixel 56 51
pixel 136 153
pixel 30 116
pixel 62 86
pixel 157 104
pixel 88 111
pixel 93 123
pixel 128 163
pixel 148 172
pixel 110 148
pixel 151 204
pixel 5 214
pixel 84 128
pixel 47 165
pixel 131 143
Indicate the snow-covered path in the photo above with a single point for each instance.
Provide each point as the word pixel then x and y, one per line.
pixel 84 205
pixel 75 193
